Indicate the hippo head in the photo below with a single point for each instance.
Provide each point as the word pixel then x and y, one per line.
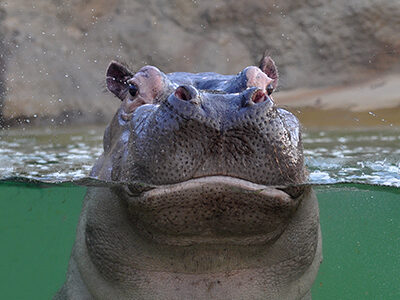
pixel 223 161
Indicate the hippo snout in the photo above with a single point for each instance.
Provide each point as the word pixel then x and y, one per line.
pixel 210 201
pixel 212 107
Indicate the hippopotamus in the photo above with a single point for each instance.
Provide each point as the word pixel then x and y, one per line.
pixel 206 194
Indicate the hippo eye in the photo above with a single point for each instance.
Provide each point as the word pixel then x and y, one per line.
pixel 133 89
pixel 270 89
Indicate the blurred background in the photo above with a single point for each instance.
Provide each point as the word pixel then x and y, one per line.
pixel 339 60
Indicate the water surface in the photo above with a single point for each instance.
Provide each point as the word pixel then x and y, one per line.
pixel 362 156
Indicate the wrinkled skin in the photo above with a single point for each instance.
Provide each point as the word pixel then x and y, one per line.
pixel 210 203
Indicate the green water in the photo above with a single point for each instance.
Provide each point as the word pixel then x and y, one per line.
pixel 361 243
pixel 37 230
pixel 360 227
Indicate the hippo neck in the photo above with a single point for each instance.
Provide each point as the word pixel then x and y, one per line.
pixel 123 248
pixel 122 258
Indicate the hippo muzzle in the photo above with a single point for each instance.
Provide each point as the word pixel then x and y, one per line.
pixel 211 201
pixel 212 210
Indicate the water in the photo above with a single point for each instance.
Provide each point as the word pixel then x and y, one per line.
pixel 363 156
pixel 50 155
pixel 360 225
pixel 361 242
pixel 355 174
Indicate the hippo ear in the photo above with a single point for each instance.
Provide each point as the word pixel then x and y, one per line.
pixel 116 79
pixel 267 65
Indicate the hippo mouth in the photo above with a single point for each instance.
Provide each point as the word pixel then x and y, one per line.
pixel 212 210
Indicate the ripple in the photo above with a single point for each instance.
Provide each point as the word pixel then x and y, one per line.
pixel 331 156
pixel 362 157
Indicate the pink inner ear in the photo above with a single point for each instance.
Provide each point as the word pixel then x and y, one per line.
pixel 267 65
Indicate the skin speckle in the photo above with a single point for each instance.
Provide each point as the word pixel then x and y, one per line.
pixel 216 221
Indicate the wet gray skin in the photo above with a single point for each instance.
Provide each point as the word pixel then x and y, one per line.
pixel 210 204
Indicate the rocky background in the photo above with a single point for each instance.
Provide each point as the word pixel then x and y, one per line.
pixel 54 53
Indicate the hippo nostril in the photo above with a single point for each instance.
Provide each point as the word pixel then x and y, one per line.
pixel 183 93
pixel 258 96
